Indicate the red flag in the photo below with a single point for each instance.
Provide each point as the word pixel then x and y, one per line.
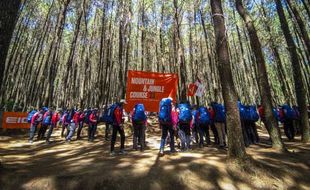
pixel 192 88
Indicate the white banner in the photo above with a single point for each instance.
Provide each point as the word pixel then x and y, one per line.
pixel 200 90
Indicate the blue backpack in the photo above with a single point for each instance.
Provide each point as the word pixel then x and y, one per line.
pixel 276 114
pixel 204 117
pixel 252 114
pixel 220 113
pixel 242 111
pixel 164 115
pixel 185 114
pixel 139 114
pixel 86 118
pixel 68 118
pixel 30 115
pixel 289 112
pixel 109 114
pixel 47 120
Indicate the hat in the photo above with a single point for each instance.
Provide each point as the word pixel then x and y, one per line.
pixel 123 101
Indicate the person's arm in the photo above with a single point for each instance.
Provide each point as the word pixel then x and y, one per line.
pixel 92 118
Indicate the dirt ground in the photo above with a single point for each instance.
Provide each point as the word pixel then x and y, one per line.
pixel 85 165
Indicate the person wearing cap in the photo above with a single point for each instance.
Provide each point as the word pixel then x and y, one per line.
pixel 55 119
pixel 35 120
pixel 93 120
pixel 118 127
pixel 81 123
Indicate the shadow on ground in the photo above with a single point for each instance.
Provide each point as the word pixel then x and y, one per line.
pixel 84 165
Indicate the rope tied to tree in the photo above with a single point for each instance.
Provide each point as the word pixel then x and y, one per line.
pixel 218 14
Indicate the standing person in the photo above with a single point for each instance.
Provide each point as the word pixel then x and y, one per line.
pixel 31 112
pixel 81 123
pixel 117 116
pixel 297 120
pixel 86 121
pixel 35 120
pixel 195 131
pixel 107 122
pixel 252 119
pixel 166 124
pixel 203 125
pixel 220 119
pixel 93 120
pixel 139 120
pixel 288 116
pixel 175 121
pixel 46 121
pixel 212 125
pixel 185 119
pixel 73 120
pixel 244 127
pixel 55 119
pixel 64 122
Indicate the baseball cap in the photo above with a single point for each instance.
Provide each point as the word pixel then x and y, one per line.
pixel 123 101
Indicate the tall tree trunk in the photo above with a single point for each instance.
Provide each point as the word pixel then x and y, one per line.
pixel 236 148
pixel 180 50
pixel 8 16
pixel 299 85
pixel 263 84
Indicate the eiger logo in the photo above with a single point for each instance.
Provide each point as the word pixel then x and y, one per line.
pixel 16 120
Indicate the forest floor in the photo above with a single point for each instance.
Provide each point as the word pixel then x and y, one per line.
pixel 84 165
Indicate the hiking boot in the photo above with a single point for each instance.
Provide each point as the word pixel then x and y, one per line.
pixel 161 152
pixel 122 152
pixel 30 141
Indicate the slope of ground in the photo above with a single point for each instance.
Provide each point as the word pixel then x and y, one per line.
pixel 84 165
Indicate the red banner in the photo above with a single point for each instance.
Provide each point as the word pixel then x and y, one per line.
pixel 149 88
pixel 192 88
pixel 15 120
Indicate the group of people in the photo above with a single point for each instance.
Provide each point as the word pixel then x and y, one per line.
pixel 182 123
pixel 70 120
